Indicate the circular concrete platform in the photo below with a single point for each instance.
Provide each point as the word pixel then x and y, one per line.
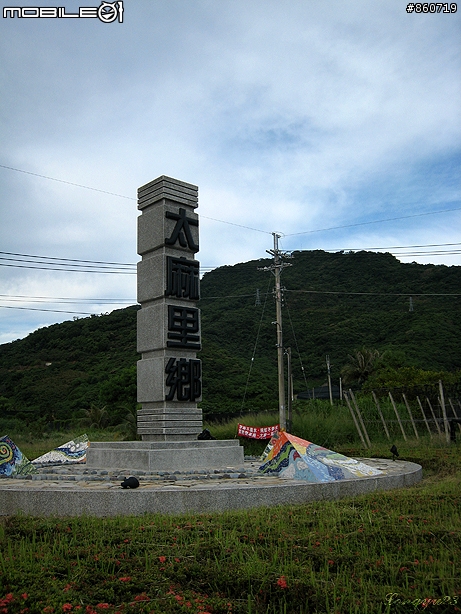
pixel 70 490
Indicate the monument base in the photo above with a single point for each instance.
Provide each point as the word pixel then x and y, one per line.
pixel 165 456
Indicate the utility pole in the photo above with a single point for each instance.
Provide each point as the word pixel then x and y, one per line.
pixel 290 389
pixel 276 268
pixel 329 379
pixel 278 315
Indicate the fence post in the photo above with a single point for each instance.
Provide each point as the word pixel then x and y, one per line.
pixel 381 414
pixel 362 424
pixel 424 416
pixel 454 412
pixel 444 413
pixel 433 415
pixel 398 417
pixel 411 415
pixel 354 419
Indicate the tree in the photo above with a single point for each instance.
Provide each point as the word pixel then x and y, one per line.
pixel 360 366
pixel 96 416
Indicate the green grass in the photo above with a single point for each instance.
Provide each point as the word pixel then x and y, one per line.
pixel 348 556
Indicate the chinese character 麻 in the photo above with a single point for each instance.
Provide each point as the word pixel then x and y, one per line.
pixel 182 278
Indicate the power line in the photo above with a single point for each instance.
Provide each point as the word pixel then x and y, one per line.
pixel 267 232
pixel 57 299
pixel 18 266
pixel 130 264
pixel 433 253
pixel 78 185
pixel 412 246
pixel 51 310
pixel 105 301
pixel 391 219
pixel 446 252
pixel 86 187
pixel 355 249
pixel 89 266
pixel 373 293
pixel 232 223
pixel 81 268
pixel 72 260
pixel 133 264
pixel 51 263
pixel 204 298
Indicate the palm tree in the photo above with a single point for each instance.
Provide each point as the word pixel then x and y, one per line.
pixel 129 423
pixel 360 366
pixel 96 417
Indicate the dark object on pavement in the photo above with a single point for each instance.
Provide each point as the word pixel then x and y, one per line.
pixel 395 452
pixel 130 482
pixel 205 434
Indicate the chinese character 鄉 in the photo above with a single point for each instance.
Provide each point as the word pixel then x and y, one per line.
pixel 183 379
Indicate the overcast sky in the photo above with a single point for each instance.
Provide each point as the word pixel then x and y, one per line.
pixel 292 116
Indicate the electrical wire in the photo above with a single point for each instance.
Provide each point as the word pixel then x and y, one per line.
pixel 390 219
pixel 296 343
pixel 69 300
pixel 225 296
pixel 51 263
pixel 393 219
pixel 78 185
pixel 18 266
pixel 254 349
pixel 392 247
pixel 51 310
pixel 128 264
pixel 72 262
pixel 89 266
pixel 373 293
pixel 86 187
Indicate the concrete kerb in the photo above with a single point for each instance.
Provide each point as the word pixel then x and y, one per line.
pixel 100 494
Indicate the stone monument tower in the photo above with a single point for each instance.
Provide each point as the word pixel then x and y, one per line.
pixel 168 339
pixel 169 374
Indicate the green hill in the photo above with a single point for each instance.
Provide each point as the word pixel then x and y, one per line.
pixel 334 303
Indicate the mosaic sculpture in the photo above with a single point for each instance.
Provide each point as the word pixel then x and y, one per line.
pixel 293 458
pixel 73 451
pixel 13 463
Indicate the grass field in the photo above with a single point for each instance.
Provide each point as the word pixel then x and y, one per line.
pixel 392 552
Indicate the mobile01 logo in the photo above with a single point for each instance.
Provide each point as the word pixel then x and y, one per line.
pixel 107 12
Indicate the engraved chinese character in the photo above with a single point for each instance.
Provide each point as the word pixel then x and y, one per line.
pixel 182 278
pixel 183 379
pixel 182 231
pixel 183 327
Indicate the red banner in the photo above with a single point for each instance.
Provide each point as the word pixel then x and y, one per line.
pixel 257 432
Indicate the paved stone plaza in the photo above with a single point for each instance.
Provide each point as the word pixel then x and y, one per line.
pixel 75 490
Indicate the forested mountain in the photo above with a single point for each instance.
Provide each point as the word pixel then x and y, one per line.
pixel 334 304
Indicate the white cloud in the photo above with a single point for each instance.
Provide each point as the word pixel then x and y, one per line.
pixel 288 116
